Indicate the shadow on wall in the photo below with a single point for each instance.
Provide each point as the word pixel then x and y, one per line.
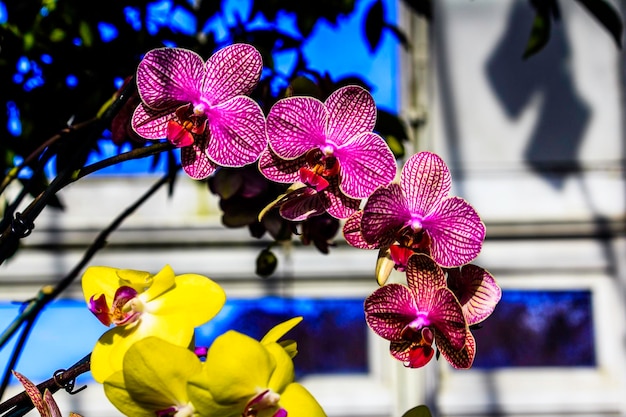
pixel 554 143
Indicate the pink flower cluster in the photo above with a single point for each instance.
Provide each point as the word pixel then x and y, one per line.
pixel 334 161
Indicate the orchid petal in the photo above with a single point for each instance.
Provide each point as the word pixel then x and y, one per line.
pixel 425 180
pixel 366 163
pixel 237 132
pixel 337 204
pixel 296 125
pixel 156 373
pixel 195 161
pixel 424 277
pixel 241 363
pixel 352 232
pixel 116 392
pixel 99 280
pixel 232 71
pixel 412 356
pixel 384 214
pixel 163 281
pixel 459 359
pixel 169 77
pixel 384 266
pixel 447 317
pixel 389 309
pixel 351 111
pixel 53 408
pixel 278 169
pixel 280 330
pixel 477 291
pixel 299 402
pixel 151 124
pixel 284 372
pixel 33 393
pixel 456 233
pixel 301 204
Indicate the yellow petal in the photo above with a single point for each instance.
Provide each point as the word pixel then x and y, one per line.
pixel 160 283
pixel 284 373
pixel 116 392
pixel 280 330
pixel 300 403
pixel 203 401
pixel 238 366
pixel 100 280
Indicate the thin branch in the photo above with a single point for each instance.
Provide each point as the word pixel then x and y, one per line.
pixel 21 404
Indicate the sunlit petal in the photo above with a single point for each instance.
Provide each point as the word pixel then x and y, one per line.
pixel 352 232
pixel 149 123
pixel 477 291
pixel 296 125
pixel 299 402
pixel 425 181
pixel 384 214
pixel 460 359
pixel 388 309
pixel 352 111
pixel 231 71
pixel 169 77
pixel 196 163
pixel 237 132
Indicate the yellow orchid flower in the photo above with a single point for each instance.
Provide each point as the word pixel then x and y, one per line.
pixel 243 377
pixel 45 404
pixel 153 380
pixel 140 305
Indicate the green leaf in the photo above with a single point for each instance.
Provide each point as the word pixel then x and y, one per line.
pixel 539 35
pixel 374 24
pixel 607 16
pixel 419 411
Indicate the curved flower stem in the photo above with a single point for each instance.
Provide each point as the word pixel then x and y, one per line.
pixel 21 404
pixel 48 293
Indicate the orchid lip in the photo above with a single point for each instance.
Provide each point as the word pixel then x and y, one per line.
pixel 262 401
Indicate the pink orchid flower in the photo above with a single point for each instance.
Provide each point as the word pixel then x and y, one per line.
pixel 45 404
pixel 329 146
pixel 413 317
pixel 477 291
pixel 202 107
pixel 418 215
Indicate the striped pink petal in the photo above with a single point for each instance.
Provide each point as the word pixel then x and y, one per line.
pixel 231 71
pixel 301 204
pixel 477 291
pixel 34 394
pixel 456 233
pixel 384 214
pixel 366 163
pixel 337 204
pixel 447 318
pixel 195 161
pixel 296 125
pixel 278 169
pixel 425 180
pixel 51 403
pixel 424 277
pixel 169 77
pixel 150 124
pixel 352 232
pixel 237 132
pixel 460 359
pixel 389 309
pixel 351 111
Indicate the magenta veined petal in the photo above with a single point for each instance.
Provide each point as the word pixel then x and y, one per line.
pixel 337 204
pixel 384 214
pixel 425 181
pixel 352 232
pixel 424 277
pixel 448 319
pixel 456 233
pixel 301 204
pixel 150 124
pixel 237 132
pixel 169 77
pixel 281 170
pixel 366 163
pixel 389 309
pixel 296 125
pixel 460 359
pixel 195 161
pixel 351 111
pixel 233 70
pixel 477 291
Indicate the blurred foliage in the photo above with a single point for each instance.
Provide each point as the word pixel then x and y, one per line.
pixel 61 60
pixel 547 11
